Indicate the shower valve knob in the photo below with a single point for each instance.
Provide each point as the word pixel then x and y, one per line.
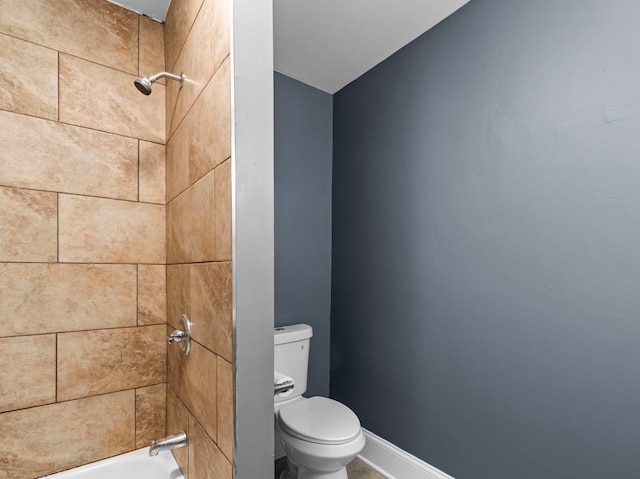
pixel 182 335
pixel 178 337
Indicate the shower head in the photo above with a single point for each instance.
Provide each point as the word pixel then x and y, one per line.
pixel 143 84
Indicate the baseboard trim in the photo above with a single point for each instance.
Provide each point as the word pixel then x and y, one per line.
pixel 393 462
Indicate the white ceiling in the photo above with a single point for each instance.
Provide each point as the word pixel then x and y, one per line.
pixel 329 43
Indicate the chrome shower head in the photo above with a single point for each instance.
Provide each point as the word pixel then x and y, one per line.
pixel 144 84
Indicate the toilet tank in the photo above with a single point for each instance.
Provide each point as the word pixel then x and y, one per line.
pixel 291 356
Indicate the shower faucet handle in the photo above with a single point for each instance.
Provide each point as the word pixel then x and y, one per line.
pixel 182 335
pixel 178 336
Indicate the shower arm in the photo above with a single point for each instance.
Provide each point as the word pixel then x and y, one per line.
pixel 157 76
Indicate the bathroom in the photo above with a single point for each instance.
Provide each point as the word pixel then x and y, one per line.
pixel 473 220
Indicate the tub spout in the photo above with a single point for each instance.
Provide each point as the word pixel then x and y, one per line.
pixel 170 442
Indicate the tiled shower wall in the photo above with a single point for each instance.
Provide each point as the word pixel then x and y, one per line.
pixel 200 386
pixel 82 235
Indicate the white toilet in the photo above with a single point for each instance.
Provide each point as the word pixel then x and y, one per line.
pixel 320 436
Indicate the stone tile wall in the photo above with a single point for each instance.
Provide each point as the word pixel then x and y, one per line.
pixel 82 235
pixel 200 387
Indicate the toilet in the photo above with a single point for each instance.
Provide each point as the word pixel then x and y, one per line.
pixel 319 436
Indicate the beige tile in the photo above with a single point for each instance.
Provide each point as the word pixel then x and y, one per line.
pixel 98 97
pixel 178 293
pixel 27 371
pixel 197 61
pixel 170 235
pixel 59 436
pixel 152 294
pixel 223 211
pixel 211 305
pixel 191 224
pixel 225 407
pixel 203 139
pixel 209 124
pixel 178 421
pixel 47 155
pixel 28 78
pixel 107 360
pixel 178 162
pixel 178 23
pixel 151 47
pixel 47 298
pixel 169 240
pixel 92 29
pixel 205 459
pixel 359 470
pixel 109 231
pixel 151 417
pixel 29 227
pixel 221 28
pixel 152 172
pixel 193 378
pixel 173 95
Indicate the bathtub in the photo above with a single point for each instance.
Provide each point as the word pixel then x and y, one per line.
pixel 132 465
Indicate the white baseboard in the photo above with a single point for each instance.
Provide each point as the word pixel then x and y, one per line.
pixel 393 462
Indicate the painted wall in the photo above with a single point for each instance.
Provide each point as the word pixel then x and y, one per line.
pixel 82 235
pixel 485 242
pixel 199 267
pixel 303 157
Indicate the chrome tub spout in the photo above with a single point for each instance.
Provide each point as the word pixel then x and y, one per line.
pixel 170 442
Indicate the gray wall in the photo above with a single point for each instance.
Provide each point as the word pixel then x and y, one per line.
pixel 486 242
pixel 303 155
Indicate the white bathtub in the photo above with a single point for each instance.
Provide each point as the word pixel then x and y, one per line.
pixel 132 465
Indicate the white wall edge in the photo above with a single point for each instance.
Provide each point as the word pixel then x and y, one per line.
pixel 251 71
pixel 395 463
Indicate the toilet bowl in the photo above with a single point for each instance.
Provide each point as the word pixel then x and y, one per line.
pixel 320 436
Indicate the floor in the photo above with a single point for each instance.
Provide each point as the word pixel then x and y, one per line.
pixel 356 470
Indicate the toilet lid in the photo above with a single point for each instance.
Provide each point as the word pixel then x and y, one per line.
pixel 320 420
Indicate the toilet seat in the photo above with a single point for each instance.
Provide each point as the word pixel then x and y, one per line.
pixel 320 420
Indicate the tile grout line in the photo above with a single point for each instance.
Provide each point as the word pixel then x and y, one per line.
pixel 207 348
pixel 135 418
pixel 81 194
pixel 94 330
pixel 216 233
pixel 57 227
pixel 58 117
pixel 48 47
pixel 137 295
pixel 87 263
pixel 198 422
pixel 56 368
pixel 73 55
pixel 134 75
pixel 93 263
pixel 197 181
pixel 105 132
pixel 216 404
pixel 139 146
pixel 15 37
pixel 195 18
pixel 193 104
pixel 139 20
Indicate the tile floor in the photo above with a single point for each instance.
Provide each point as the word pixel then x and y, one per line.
pixel 356 470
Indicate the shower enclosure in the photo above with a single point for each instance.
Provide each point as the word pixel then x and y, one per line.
pixel 121 212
